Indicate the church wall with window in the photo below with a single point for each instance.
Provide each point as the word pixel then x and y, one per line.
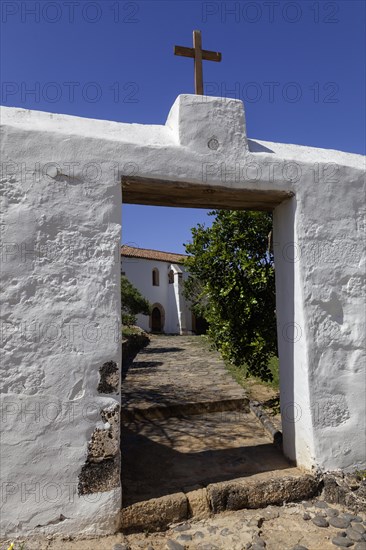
pixel 159 277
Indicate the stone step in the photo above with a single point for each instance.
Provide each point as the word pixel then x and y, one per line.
pixel 169 410
pixel 255 491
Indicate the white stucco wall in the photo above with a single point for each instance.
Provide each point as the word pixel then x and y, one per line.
pixel 60 318
pixel 61 194
pixel 139 272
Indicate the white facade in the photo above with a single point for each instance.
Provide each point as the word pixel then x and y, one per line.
pixel 164 291
pixel 61 229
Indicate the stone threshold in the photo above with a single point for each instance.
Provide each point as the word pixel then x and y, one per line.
pixel 168 410
pixel 252 492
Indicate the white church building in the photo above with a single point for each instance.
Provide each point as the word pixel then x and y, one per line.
pixel 159 276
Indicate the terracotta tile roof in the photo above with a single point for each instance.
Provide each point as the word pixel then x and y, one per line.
pixel 148 254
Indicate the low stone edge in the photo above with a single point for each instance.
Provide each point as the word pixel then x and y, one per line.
pixel 258 493
pixel 159 513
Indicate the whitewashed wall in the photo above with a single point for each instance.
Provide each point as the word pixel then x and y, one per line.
pixel 60 321
pixel 61 193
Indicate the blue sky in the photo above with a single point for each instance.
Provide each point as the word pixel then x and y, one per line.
pixel 298 66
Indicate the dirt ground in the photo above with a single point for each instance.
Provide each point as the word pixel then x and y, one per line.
pixel 273 528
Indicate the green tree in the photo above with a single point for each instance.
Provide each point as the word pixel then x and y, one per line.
pixel 133 302
pixel 232 285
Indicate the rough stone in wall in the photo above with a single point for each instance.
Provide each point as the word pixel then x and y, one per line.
pixel 99 477
pixel 109 378
pixel 101 471
pixel 104 443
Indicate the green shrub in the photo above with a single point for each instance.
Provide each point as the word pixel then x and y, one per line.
pixel 232 285
pixel 133 302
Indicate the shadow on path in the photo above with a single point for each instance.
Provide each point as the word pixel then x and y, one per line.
pixel 151 469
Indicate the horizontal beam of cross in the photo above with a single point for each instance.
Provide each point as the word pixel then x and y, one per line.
pixel 189 52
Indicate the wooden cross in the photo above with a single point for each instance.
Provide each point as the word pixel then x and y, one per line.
pixel 198 54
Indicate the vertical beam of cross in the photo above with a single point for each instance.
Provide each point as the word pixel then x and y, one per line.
pixel 198 69
pixel 198 54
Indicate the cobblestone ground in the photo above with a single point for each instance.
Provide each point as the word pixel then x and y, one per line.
pixel 274 528
pixel 308 525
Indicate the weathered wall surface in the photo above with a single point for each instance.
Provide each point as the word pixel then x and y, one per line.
pixel 330 252
pixel 71 206
pixel 320 279
pixel 60 324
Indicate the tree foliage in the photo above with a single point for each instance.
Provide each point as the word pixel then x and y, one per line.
pixel 133 302
pixel 232 285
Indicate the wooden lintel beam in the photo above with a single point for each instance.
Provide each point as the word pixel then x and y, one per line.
pixel 138 190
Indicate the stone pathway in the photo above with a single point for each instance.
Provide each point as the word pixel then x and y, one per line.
pixel 188 433
pixel 172 455
pixel 179 372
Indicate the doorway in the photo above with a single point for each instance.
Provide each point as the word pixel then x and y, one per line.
pixel 156 320
pixel 172 359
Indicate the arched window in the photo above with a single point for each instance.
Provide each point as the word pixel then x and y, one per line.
pixel 155 276
pixel 171 277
